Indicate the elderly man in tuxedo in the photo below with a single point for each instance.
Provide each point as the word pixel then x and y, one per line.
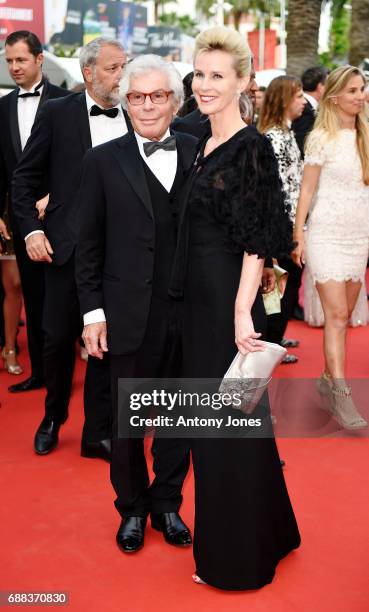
pixel 124 256
pixel 64 130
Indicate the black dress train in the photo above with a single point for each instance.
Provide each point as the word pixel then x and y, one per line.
pixel 244 522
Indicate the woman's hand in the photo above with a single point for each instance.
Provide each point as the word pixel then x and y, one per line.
pixel 298 254
pixel 245 336
pixel 268 280
pixel 3 229
pixel 4 234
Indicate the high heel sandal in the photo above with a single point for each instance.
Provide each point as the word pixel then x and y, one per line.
pixel 344 409
pixel 11 368
pixel 324 384
pixel 197 579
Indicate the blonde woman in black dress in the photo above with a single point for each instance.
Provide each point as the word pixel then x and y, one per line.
pixel 233 217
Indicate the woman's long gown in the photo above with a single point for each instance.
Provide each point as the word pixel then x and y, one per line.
pixel 244 522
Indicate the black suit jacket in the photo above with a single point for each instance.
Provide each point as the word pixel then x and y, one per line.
pixel 194 123
pixel 10 142
pixel 116 244
pixel 58 142
pixel 303 126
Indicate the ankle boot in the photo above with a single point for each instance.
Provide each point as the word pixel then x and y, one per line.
pixel 344 409
pixel 324 384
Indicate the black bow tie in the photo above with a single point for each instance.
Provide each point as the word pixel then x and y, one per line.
pixel 109 112
pixel 32 94
pixel 169 144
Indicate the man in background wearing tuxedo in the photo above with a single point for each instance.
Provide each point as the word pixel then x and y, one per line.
pixel 64 130
pixel 18 110
pixel 313 83
pixel 125 252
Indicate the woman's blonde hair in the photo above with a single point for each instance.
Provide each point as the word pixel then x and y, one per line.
pixel 278 96
pixel 230 41
pixel 328 118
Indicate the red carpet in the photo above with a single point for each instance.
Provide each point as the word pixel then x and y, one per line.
pixel 58 522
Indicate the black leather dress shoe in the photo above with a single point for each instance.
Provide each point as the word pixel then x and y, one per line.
pixel 289 359
pixel 46 438
pixel 173 528
pixel 289 343
pixel 30 384
pixel 131 533
pixel 97 450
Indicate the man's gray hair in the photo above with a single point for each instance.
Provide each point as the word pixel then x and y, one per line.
pixel 144 64
pixel 88 54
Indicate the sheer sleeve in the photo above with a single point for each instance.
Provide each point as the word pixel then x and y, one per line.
pixel 315 149
pixel 250 201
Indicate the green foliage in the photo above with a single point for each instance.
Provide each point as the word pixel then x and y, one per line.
pixel 185 23
pixel 326 60
pixel 64 50
pixel 339 41
pixel 339 38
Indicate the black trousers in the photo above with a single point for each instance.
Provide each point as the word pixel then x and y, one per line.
pixel 158 356
pixel 32 276
pixel 62 326
pixel 277 323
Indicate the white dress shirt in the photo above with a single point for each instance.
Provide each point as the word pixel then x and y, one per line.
pixel 27 109
pixel 314 103
pixel 102 129
pixel 163 164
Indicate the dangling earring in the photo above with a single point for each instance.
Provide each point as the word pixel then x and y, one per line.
pixel 238 94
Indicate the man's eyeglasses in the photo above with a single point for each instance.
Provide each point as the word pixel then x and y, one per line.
pixel 136 98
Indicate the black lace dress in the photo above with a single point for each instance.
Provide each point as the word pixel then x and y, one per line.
pixel 244 522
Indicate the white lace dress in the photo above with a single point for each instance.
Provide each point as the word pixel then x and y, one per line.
pixel 313 311
pixel 337 238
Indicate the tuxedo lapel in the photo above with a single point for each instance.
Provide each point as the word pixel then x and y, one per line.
pixel 186 158
pixel 13 123
pixel 186 153
pixel 129 159
pixel 45 92
pixel 128 121
pixel 82 121
pixel 44 96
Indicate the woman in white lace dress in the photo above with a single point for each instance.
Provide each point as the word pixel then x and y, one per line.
pixel 313 311
pixel 283 102
pixel 335 193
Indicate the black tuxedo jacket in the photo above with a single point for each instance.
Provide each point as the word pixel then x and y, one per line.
pixel 194 123
pixel 58 142
pixel 10 142
pixel 303 126
pixel 116 245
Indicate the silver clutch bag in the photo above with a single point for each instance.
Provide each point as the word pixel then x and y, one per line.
pixel 248 376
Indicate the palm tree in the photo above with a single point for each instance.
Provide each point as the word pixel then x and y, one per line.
pixel 240 7
pixel 359 33
pixel 302 34
pixel 159 8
